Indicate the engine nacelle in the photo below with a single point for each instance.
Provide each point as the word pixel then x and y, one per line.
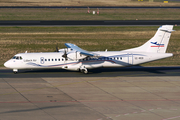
pixel 65 49
pixel 75 55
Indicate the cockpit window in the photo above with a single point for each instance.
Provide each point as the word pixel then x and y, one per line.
pixel 14 57
pixel 17 57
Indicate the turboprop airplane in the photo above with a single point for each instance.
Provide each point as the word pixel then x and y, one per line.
pixel 76 59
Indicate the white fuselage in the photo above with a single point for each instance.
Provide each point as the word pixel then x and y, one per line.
pixel 55 60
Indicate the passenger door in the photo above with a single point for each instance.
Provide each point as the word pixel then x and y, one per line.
pixel 130 58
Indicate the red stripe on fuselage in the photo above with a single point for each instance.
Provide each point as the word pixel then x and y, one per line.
pixel 158 46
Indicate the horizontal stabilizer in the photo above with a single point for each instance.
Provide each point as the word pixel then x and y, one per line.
pixel 165 29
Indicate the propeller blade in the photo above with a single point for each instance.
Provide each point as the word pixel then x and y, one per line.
pixel 65 55
pixel 57 50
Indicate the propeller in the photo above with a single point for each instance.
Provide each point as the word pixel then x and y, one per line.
pixel 65 55
pixel 57 50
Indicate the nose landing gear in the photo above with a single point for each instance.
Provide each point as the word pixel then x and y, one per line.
pixel 15 71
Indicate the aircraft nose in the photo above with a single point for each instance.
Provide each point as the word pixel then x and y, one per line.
pixel 6 64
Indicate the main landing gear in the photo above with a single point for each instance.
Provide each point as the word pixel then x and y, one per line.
pixel 84 70
pixel 15 71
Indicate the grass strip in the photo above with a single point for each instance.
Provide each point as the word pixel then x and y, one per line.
pixel 88 3
pixel 81 14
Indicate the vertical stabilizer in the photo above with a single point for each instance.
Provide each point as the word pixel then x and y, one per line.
pixel 159 42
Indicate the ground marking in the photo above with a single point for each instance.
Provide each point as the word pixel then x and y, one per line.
pixel 171 118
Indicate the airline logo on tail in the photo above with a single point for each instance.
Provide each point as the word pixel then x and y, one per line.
pixel 155 44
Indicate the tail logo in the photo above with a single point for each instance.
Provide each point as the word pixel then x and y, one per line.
pixel 155 44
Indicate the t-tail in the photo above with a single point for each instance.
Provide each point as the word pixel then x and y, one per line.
pixel 158 43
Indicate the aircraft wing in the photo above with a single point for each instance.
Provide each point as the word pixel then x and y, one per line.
pixel 81 51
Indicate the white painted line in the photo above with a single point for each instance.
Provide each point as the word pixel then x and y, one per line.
pixel 99 119
pixel 134 112
pixel 171 118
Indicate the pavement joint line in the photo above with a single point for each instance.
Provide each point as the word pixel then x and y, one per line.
pixel 171 84
pixel 173 109
pixel 108 117
pixel 29 100
pixel 126 114
pixel 85 81
pixel 135 112
pixel 122 99
pixel 171 118
pixel 51 87
pixel 151 93
pixel 88 81
pixel 140 114
pixel 82 101
pixel 99 119
pixel 146 111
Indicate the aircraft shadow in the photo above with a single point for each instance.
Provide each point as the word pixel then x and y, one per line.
pixel 155 70
pixel 100 72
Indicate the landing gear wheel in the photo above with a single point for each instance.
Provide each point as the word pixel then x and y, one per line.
pixel 85 71
pixel 15 72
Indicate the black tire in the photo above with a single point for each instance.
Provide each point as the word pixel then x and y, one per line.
pixel 15 72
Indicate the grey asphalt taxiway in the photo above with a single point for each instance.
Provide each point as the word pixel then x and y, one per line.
pixel 133 93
